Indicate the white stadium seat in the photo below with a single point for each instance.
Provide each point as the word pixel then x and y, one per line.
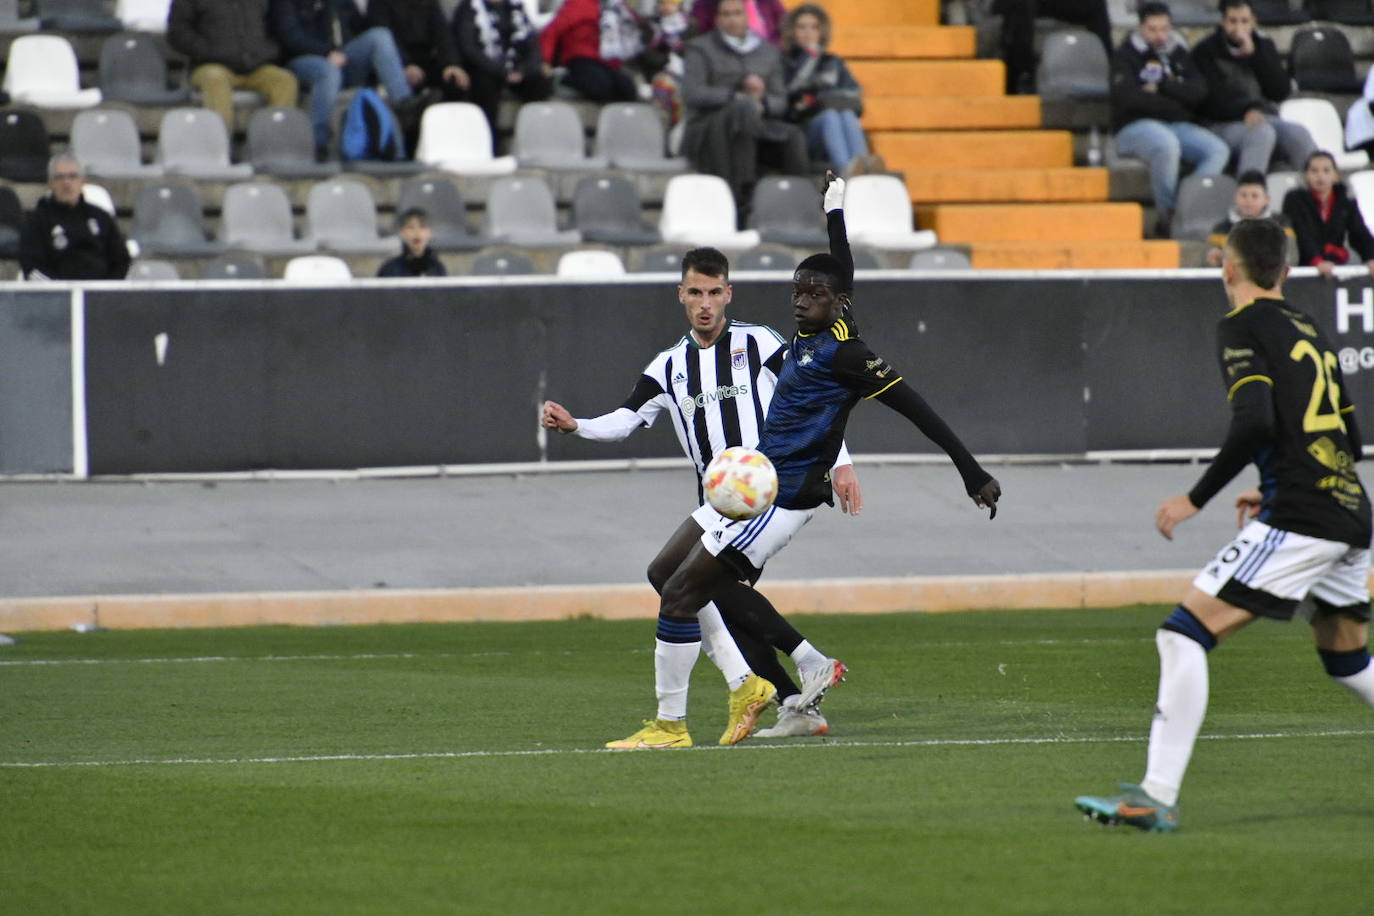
pixel 700 210
pixel 42 72
pixel 455 136
pixel 1324 124
pixel 591 263
pixel 877 214
pixel 315 268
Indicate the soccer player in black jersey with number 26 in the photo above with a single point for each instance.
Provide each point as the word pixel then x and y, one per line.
pixel 1308 532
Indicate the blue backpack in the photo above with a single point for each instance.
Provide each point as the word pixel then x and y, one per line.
pixel 370 130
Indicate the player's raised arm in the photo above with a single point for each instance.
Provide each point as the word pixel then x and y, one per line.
pixel 834 225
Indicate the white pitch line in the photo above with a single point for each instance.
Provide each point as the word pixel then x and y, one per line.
pixel 552 752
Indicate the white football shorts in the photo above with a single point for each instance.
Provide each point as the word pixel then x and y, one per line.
pixel 752 540
pixel 1267 571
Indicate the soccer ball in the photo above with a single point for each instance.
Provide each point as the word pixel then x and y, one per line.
pixel 740 483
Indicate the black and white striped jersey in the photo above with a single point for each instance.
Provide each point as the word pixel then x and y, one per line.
pixel 717 396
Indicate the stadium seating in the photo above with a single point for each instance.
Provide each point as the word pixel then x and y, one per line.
pixel 878 214
pixel 153 269
pixel 234 266
pixel 549 135
pixel 256 217
pixel 193 142
pixel 786 209
pixel 143 15
pixel 10 21
pixel 443 202
pixel 766 257
pixel 1203 201
pixel 75 16
pixel 659 259
pixel 1347 12
pixel 700 210
pixel 866 259
pixel 502 263
pixel 107 143
pixel 455 137
pixel 1321 60
pixel 1073 65
pixel 316 268
pixel 42 71
pixel 1279 184
pixel 605 209
pixel 11 222
pixel 590 263
pixel 96 195
pixel 24 146
pixel 1361 186
pixel 521 211
pixel 631 136
pixel 1193 12
pixel 341 216
pixel 1320 118
pixel 940 259
pixel 168 220
pixel 133 69
pixel 281 143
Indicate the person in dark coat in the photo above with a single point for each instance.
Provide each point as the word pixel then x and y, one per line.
pixel 416 259
pixel 822 94
pixel 499 48
pixel 1327 219
pixel 67 238
pixel 423 36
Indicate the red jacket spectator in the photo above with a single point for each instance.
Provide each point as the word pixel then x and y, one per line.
pixel 575 31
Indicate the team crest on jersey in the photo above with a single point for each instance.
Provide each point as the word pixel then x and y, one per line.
pixel 806 357
pixel 738 359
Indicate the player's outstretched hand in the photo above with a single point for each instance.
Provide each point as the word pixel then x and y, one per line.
pixel 834 192
pixel 846 485
pixel 1248 506
pixel 1173 510
pixel 987 497
pixel 556 416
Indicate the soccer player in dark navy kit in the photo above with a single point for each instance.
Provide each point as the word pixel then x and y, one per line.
pixel 1308 532
pixel 828 370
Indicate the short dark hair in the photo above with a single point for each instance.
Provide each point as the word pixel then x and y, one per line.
pixel 709 262
pixel 1225 5
pixel 413 213
pixel 1252 176
pixel 1319 154
pixel 1261 247
pixel 1153 8
pixel 841 280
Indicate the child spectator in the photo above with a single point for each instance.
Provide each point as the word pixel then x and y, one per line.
pixel 1324 217
pixel 499 48
pixel 416 259
pixel 591 40
pixel 822 95
pixel 1251 202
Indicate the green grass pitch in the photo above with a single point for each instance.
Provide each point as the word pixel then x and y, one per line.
pixel 455 769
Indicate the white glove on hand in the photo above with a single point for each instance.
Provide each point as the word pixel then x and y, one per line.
pixel 834 195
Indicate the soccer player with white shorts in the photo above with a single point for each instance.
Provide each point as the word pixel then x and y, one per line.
pixel 1309 530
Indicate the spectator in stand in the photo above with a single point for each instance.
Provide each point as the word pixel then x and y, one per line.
pixel 422 35
pixel 591 40
pixel 661 62
pixel 1246 80
pixel 822 95
pixel 1155 92
pixel 737 106
pixel 328 46
pixel 66 238
pixel 1325 218
pixel 1359 120
pixel 416 259
pixel 1018 32
pixel 228 46
pixel 763 18
pixel 1250 202
pixel 499 48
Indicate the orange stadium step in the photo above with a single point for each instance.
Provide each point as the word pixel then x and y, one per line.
pixel 1155 255
pixel 905 41
pixel 973 223
pixel 933 186
pixel 928 78
pixel 951 113
pixel 961 149
pixel 883 12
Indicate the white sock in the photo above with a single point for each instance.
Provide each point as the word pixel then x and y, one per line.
pixel 806 656
pixel 673 663
pixel 1361 684
pixel 721 648
pixel 1179 711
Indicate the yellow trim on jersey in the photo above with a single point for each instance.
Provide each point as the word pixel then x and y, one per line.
pixel 1348 409
pixel 1240 308
pixel 884 388
pixel 840 329
pixel 1249 378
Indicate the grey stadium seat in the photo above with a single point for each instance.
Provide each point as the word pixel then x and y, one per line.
pixel 1279 184
pixel 153 269
pixel 107 143
pixel 133 69
pixel 766 257
pixel 941 259
pixel 1073 65
pixel 786 210
pixel 24 146
pixel 606 209
pixel 866 259
pixel 75 16
pixel 631 136
pixel 281 142
pixel 549 135
pixel 1347 12
pixel 341 216
pixel 502 263
pixel 440 198
pixel 659 260
pixel 1322 61
pixel 521 211
pixel 1203 201
pixel 234 266
pixel 194 142
pixel 256 216
pixel 168 220
pixel 10 21
pixel 1270 13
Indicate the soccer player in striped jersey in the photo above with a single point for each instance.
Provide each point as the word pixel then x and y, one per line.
pixel 716 384
pixel 828 370
pixel 1308 533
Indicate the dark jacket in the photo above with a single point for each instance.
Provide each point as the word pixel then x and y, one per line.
pixel 229 32
pixel 315 26
pixel 81 242
pixel 816 83
pixel 714 72
pixel 1325 240
pixel 407 265
pixel 1181 86
pixel 421 31
pixel 469 42
pixel 1235 85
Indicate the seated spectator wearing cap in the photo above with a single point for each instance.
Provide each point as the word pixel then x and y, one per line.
pixel 67 238
pixel 1251 201
pixel 1326 219
pixel 500 51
